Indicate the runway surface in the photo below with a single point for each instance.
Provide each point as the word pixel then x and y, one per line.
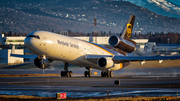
pixel 90 87
pixel 133 82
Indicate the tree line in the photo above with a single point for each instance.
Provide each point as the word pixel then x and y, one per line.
pixel 170 37
pixel 162 37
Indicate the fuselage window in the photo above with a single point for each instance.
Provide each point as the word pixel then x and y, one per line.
pixel 35 36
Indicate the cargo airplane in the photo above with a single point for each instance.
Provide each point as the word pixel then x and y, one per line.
pixel 51 47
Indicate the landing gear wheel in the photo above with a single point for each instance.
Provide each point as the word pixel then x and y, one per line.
pixel 70 74
pixel 106 74
pixel 103 74
pixel 111 74
pixel 42 66
pixel 66 73
pixel 87 73
pixel 62 73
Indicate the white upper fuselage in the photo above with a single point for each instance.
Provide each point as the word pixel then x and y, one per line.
pixel 63 48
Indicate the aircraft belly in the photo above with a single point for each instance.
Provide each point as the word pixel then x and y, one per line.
pixel 82 62
pixel 88 48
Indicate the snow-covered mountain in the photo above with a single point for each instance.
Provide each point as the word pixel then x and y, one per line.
pixel 170 8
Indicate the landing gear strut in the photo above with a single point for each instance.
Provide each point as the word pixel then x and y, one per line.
pixel 106 74
pixel 66 73
pixel 41 66
pixel 88 73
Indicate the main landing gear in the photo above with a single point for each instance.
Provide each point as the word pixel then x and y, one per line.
pixel 106 74
pixel 88 73
pixel 66 73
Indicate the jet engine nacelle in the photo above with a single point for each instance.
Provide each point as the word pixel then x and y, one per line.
pixel 38 63
pixel 123 44
pixel 105 62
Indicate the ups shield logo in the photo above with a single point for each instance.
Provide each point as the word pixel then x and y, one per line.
pixel 129 30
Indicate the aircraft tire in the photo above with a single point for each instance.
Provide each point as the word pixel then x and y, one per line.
pixel 103 74
pixel 111 74
pixel 41 66
pixel 85 73
pixel 89 73
pixel 67 73
pixel 108 74
pixel 70 74
pixel 62 73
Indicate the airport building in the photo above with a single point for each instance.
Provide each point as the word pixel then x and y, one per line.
pixel 162 48
pixel 6 44
pixel 11 40
pixel 140 43
pixel 6 59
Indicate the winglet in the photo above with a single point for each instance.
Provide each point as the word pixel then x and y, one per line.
pixel 127 31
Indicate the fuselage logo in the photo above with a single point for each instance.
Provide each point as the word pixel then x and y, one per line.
pixel 68 44
pixel 129 30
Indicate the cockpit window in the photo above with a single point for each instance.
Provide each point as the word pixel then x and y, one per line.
pixel 35 36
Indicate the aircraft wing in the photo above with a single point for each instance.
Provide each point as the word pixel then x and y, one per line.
pixel 94 58
pixel 121 59
pixel 24 56
pixel 21 56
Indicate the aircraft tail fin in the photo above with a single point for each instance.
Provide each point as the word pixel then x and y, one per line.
pixel 127 31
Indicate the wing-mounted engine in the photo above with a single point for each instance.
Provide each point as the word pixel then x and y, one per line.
pixel 127 45
pixel 42 63
pixel 105 62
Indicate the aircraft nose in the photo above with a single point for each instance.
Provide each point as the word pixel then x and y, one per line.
pixel 32 40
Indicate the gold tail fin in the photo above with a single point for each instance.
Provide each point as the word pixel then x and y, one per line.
pixel 127 31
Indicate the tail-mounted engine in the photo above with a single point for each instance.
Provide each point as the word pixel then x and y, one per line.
pixel 127 45
pixel 105 62
pixel 42 64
